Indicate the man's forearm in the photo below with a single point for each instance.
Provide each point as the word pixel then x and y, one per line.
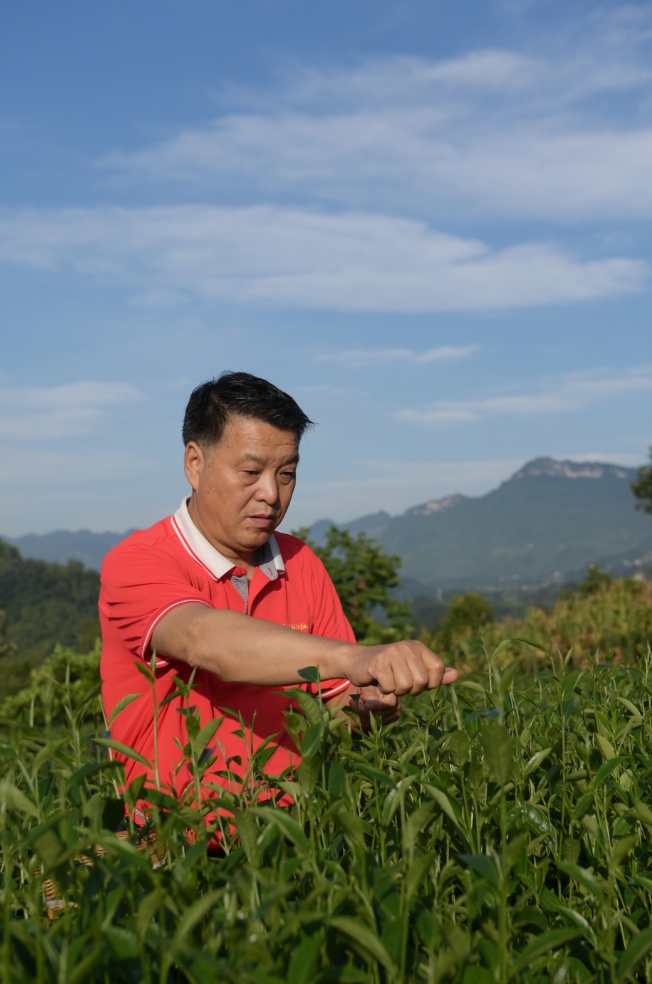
pixel 241 649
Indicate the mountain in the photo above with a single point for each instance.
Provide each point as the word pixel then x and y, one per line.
pixel 542 526
pixel 61 546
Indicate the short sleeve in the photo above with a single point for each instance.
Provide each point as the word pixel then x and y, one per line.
pixel 140 584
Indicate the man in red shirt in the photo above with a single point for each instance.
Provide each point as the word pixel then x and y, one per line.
pixel 212 595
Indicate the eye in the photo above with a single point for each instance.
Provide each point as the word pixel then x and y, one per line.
pixel 288 476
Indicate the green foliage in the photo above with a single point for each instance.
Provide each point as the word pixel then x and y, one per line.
pixel 614 620
pixel 594 582
pixel 44 604
pixel 364 576
pixel 642 487
pixel 465 616
pixel 500 832
pixel 66 680
pixel 602 616
pixel 7 648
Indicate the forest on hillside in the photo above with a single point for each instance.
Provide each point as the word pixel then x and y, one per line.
pixel 42 605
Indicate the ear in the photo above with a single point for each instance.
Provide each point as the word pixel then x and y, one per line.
pixel 194 462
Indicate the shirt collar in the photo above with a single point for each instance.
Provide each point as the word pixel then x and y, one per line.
pixel 269 559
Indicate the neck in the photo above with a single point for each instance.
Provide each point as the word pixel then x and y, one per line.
pixel 246 559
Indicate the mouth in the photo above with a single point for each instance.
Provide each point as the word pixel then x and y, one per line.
pixel 263 522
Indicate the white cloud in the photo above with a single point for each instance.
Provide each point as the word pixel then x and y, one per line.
pixel 352 261
pixel 562 131
pixel 369 357
pixel 52 413
pixel 571 393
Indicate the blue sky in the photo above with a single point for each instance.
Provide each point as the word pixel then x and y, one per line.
pixel 428 222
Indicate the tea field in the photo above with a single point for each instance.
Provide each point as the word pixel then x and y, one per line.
pixel 501 831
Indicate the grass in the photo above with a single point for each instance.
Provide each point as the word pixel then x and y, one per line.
pixel 501 831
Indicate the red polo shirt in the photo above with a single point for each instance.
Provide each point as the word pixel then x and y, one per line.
pixel 155 570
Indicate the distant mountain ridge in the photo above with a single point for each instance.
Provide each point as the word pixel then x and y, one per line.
pixel 63 545
pixel 573 469
pixel 543 525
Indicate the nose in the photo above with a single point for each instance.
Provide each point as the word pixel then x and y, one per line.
pixel 268 489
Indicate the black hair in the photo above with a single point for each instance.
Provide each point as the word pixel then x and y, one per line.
pixel 239 394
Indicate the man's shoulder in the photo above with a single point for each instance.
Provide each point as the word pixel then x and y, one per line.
pixel 158 535
pixel 296 551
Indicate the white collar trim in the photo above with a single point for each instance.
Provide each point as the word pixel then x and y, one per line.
pixel 194 541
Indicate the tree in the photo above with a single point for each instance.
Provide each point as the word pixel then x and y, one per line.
pixel 7 648
pixel 642 487
pixel 595 581
pixel 364 576
pixel 466 615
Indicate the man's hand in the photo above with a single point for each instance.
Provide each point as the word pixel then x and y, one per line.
pixel 398 668
pixel 372 701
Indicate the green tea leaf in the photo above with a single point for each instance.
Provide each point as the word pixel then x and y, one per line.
pixel 192 915
pixel 120 706
pixel 458 746
pixel 311 740
pixel 416 871
pixel 498 751
pixel 206 734
pixel 123 943
pixel 118 746
pixel 148 909
pixel 248 831
pixel 607 768
pixel 643 812
pixel 606 747
pixel 309 673
pixel 535 761
pixel 571 849
pixel 632 708
pixel 581 922
pixel 285 823
pixel 622 848
pixel 50 848
pixel 365 938
pixel 446 803
pixel 552 940
pixel 484 865
pixel 586 878
pixel 637 949
pixel 308 772
pixel 303 962
pixel 348 821
pixel 582 805
pixel 12 798
pixel 394 799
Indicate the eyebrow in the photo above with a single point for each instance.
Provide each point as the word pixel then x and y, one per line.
pixel 259 460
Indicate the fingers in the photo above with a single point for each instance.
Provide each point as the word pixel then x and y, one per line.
pixel 384 707
pixel 399 668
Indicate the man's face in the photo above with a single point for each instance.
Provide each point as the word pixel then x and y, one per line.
pixel 242 486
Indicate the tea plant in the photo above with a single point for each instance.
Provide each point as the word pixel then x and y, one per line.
pixel 499 832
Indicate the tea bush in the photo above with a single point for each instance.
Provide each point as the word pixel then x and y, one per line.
pixel 499 832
